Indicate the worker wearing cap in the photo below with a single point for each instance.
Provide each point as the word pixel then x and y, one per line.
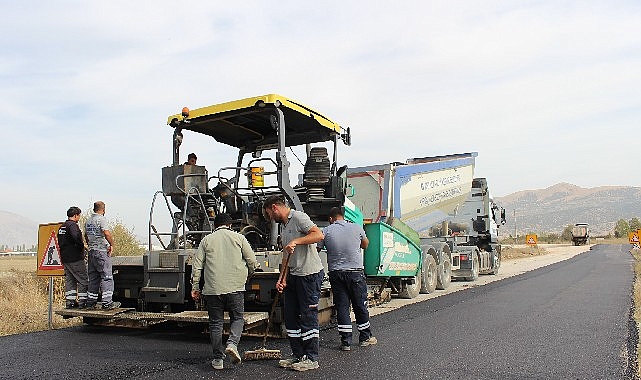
pixel 226 260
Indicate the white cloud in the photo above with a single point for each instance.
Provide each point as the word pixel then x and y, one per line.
pixel 538 88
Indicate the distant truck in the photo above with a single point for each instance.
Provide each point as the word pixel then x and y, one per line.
pixel 581 234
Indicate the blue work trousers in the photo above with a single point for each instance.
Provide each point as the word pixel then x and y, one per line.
pixel 234 303
pixel 100 277
pixel 350 287
pixel 301 297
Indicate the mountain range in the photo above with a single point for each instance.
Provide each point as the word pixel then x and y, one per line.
pixel 17 230
pixel 547 210
pixel 550 210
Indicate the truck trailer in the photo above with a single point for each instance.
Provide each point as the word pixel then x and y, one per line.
pixel 446 218
pixel 581 234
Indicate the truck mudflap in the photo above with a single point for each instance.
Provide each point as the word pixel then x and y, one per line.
pixel 255 322
pixel 474 262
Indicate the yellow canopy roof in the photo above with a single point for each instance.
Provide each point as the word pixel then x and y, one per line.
pixel 246 124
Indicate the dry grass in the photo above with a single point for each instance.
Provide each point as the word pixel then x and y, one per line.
pixel 18 264
pixel 24 297
pixel 519 251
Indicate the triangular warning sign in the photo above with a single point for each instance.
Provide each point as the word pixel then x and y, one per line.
pixel 51 258
pixel 635 238
pixel 531 241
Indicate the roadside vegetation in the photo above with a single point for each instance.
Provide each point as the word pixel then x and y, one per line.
pixel 636 299
pixel 124 237
pixel 623 227
pixel 24 297
pixel 520 251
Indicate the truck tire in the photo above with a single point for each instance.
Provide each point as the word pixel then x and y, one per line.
pixel 410 291
pixel 475 268
pixel 428 274
pixel 444 273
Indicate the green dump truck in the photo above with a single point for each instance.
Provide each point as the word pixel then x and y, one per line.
pixel 430 220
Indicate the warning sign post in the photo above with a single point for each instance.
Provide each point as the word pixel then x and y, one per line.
pixel 531 240
pixel 49 263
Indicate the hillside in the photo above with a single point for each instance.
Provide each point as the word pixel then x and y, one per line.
pixel 17 230
pixel 553 208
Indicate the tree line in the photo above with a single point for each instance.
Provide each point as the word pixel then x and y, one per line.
pixel 18 248
pixel 623 227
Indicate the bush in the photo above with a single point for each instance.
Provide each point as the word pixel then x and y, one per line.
pixel 125 240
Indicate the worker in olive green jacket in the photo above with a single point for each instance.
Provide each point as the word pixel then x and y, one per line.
pixel 226 260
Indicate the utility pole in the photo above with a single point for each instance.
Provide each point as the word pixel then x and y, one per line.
pixel 515 237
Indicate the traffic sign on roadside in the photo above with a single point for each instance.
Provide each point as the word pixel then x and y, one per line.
pixel 531 239
pixel 49 262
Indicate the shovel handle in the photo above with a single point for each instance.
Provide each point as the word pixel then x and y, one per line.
pixel 270 317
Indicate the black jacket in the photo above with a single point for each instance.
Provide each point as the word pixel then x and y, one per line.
pixel 72 247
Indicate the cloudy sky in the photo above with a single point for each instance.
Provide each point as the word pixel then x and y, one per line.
pixel 544 91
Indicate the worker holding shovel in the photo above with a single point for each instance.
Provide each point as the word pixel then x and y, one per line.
pixel 302 286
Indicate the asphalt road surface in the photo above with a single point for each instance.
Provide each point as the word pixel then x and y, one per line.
pixel 569 320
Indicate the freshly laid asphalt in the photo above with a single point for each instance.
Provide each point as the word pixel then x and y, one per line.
pixel 569 320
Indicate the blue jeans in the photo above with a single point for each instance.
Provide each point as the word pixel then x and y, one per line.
pixel 301 298
pixel 350 287
pixel 234 303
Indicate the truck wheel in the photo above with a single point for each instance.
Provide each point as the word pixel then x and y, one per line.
pixel 428 274
pixel 444 274
pixel 410 291
pixel 475 268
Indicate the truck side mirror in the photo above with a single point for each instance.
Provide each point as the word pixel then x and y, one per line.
pixel 347 137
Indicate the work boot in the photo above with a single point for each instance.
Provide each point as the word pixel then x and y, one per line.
pixel 71 305
pixel 287 363
pixel 232 351
pixel 369 342
pixel 82 305
pixel 345 347
pixel 111 306
pixel 217 364
pixel 305 364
